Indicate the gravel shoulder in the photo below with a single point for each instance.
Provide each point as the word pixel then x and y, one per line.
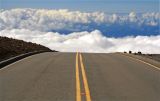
pixel 153 59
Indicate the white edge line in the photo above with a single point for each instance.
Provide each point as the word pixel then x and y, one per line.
pixel 5 67
pixel 142 61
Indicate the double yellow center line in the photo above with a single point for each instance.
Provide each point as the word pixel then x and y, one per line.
pixel 84 77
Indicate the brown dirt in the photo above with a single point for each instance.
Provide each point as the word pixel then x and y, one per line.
pixel 12 47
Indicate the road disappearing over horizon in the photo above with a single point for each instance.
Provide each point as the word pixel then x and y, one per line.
pixel 79 77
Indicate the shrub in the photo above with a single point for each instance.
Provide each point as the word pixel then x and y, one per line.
pixel 130 52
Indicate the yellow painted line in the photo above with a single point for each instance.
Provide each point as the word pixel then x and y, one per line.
pixel 143 62
pixel 86 87
pixel 78 88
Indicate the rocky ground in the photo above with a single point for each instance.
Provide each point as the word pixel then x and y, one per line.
pixel 12 47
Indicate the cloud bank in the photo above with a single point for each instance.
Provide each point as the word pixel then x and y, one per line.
pixel 85 41
pixel 71 31
pixel 65 21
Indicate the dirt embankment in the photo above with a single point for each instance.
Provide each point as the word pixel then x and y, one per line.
pixel 12 47
pixel 153 59
pixel 152 56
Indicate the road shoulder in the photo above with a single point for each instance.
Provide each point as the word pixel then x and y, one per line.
pixel 143 59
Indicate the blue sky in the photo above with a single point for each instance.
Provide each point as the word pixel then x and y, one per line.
pixel 112 6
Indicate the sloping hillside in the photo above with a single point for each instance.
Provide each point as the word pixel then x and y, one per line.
pixel 12 47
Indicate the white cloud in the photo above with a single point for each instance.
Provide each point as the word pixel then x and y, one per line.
pixel 132 16
pixel 45 20
pixel 46 27
pixel 49 20
pixel 85 41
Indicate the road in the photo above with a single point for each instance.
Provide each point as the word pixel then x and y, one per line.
pixel 79 77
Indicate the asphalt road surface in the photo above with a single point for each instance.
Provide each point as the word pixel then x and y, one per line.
pixel 79 77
